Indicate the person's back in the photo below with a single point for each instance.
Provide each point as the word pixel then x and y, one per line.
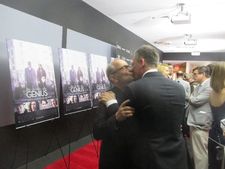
pixel 185 84
pixel 159 103
pixel 216 136
pixel 159 109
pixel 217 104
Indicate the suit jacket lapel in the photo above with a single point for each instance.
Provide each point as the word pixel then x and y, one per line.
pixel 202 86
pixel 196 90
pixel 153 74
pixel 119 95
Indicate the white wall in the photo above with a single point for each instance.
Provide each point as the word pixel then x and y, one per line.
pixel 22 26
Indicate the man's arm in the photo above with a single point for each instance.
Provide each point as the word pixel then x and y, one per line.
pixel 201 99
pixel 105 124
pixel 108 118
pixel 187 91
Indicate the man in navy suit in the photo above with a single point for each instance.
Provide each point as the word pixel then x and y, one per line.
pixel 159 109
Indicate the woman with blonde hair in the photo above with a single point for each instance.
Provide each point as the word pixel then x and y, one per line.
pixel 164 69
pixel 217 102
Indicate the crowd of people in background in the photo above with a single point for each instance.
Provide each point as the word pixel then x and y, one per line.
pixel 156 118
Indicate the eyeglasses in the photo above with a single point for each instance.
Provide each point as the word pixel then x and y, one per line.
pixel 123 67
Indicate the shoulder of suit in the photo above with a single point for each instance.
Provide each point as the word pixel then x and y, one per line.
pixel 135 83
pixel 177 83
pixel 206 82
pixel 184 81
pixel 115 90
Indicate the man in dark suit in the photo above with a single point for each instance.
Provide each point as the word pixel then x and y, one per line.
pixel 73 76
pixel 159 109
pixel 30 76
pixel 111 123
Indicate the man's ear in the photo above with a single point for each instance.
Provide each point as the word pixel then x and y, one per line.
pixel 142 62
pixel 112 79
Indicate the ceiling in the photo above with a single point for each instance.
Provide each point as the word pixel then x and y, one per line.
pixel 151 20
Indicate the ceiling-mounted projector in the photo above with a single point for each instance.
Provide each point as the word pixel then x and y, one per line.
pixel 181 18
pixel 190 42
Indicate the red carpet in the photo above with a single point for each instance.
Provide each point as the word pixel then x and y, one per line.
pixel 84 158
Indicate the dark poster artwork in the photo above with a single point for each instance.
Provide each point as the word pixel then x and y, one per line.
pixel 33 82
pixel 75 81
pixel 99 80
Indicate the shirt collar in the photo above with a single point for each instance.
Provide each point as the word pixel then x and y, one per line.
pixel 149 71
pixel 204 82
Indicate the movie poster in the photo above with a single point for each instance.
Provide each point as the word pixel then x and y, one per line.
pixel 75 81
pixel 33 82
pixel 99 80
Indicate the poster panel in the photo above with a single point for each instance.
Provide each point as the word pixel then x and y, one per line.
pixel 99 80
pixel 75 81
pixel 32 82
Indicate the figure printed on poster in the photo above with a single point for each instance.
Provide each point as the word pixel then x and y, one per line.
pixel 98 76
pixel 18 92
pixel 54 103
pixel 32 80
pixel 75 80
pixel 99 82
pixel 30 76
pixel 33 106
pixel 21 108
pixel 80 76
pixel 103 77
pixel 73 76
pixel 41 77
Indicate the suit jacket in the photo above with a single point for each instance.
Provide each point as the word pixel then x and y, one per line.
pixel 159 108
pixel 30 78
pixel 187 89
pixel 117 137
pixel 199 111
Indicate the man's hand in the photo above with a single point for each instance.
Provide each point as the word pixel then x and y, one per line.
pixel 106 96
pixel 124 111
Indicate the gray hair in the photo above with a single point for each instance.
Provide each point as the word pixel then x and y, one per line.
pixel 110 70
pixel 149 53
pixel 202 69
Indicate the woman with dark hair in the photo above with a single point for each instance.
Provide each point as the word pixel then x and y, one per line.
pixel 210 67
pixel 41 77
pixel 33 106
pixel 217 102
